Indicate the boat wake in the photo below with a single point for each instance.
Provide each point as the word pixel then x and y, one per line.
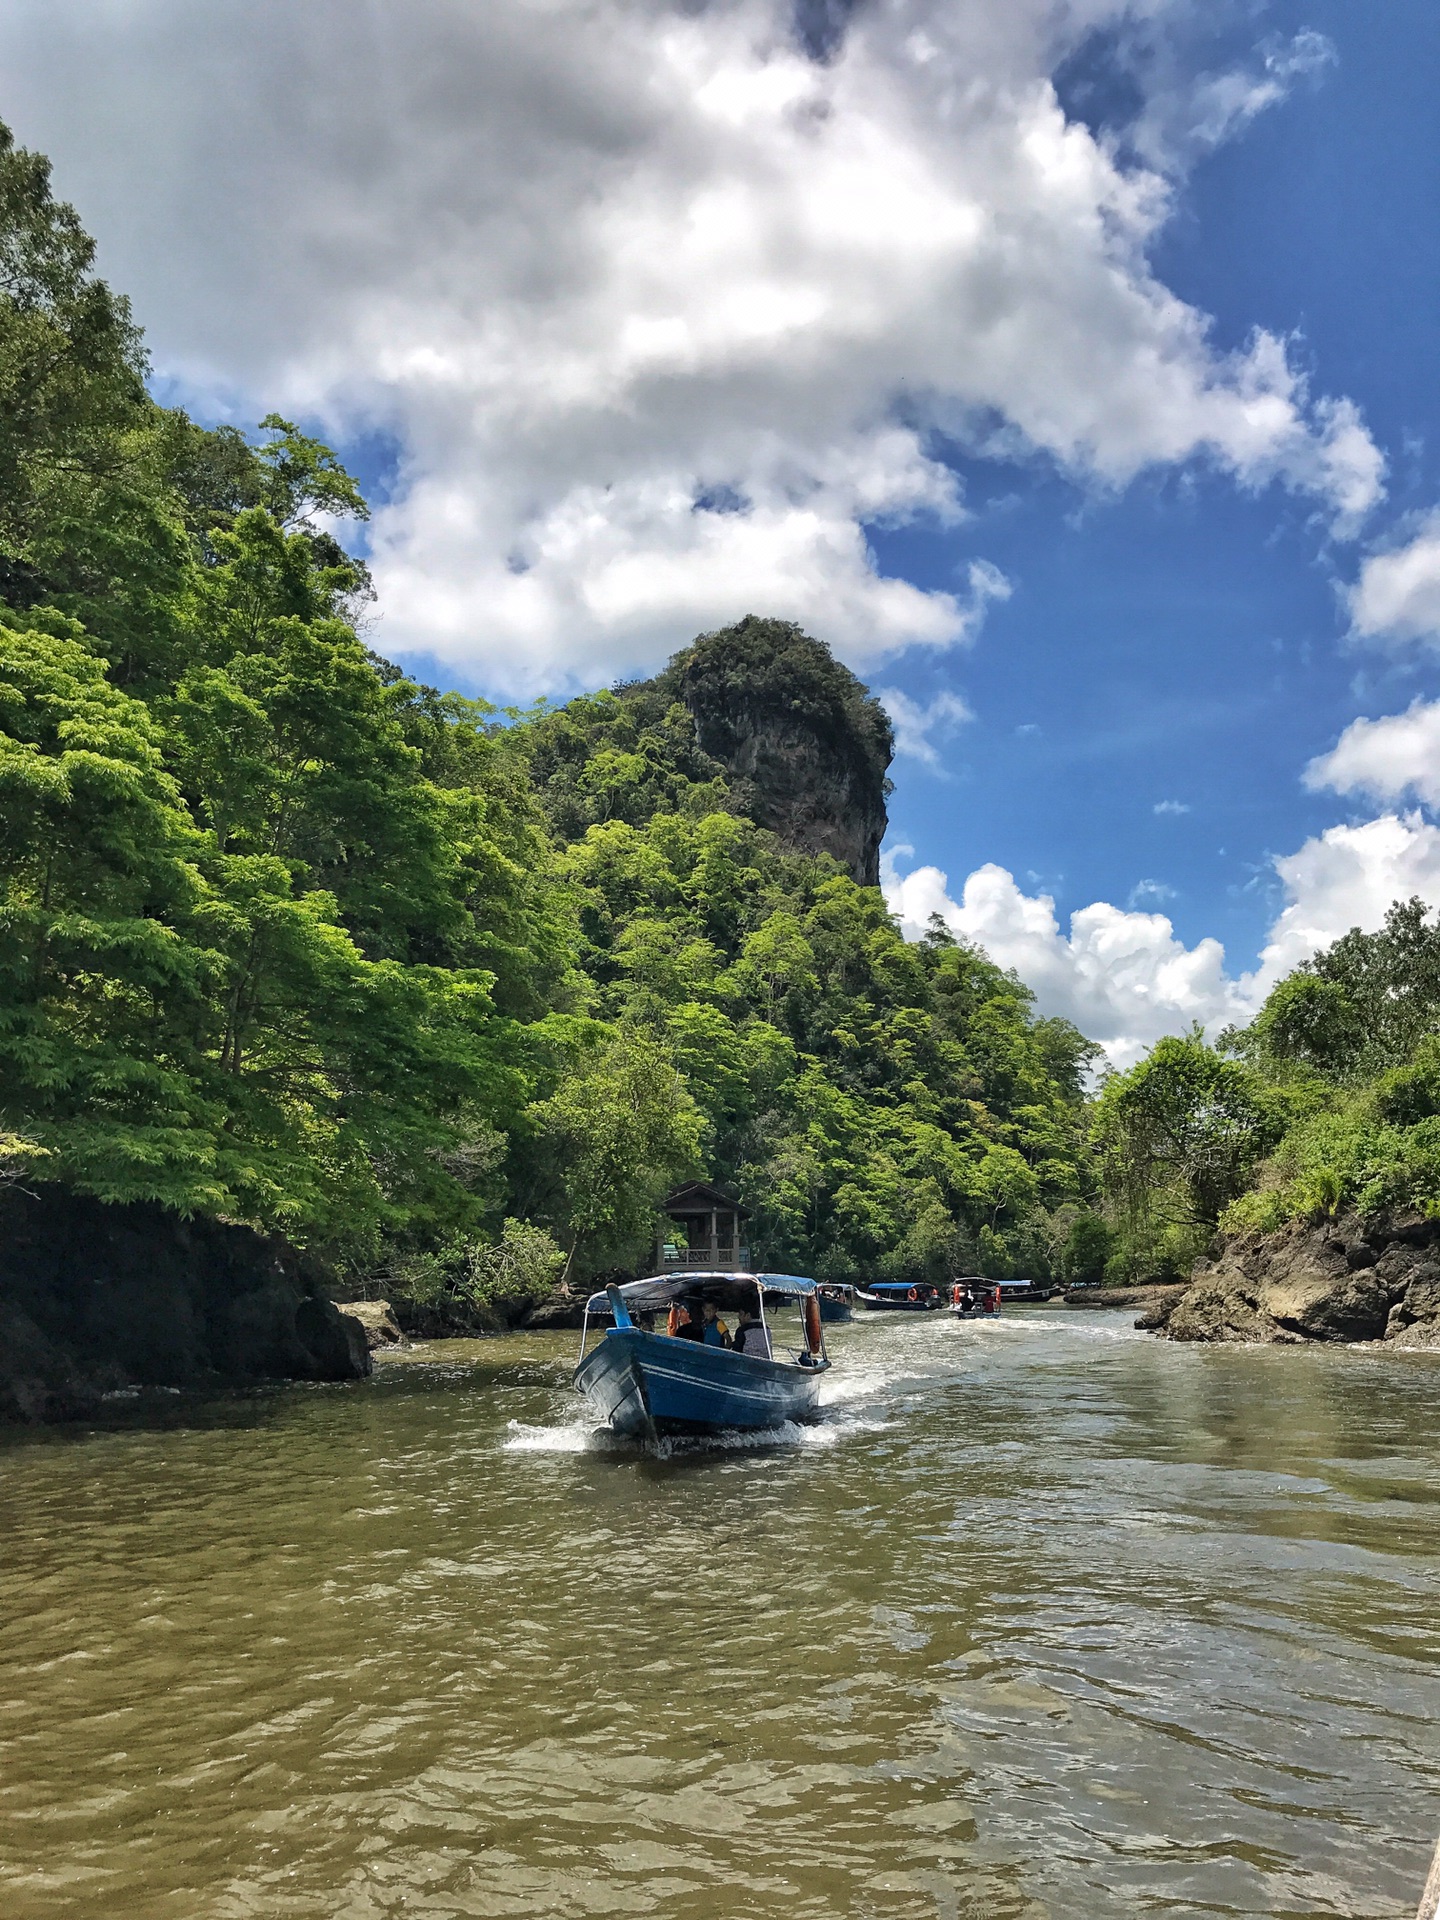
pixel 886 1371
pixel 574 1437
pixel 578 1436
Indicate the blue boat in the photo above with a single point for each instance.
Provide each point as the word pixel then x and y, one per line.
pixel 900 1296
pixel 641 1381
pixel 837 1302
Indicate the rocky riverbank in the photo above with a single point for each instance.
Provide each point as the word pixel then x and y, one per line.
pixel 1148 1298
pixel 1340 1280
pixel 96 1299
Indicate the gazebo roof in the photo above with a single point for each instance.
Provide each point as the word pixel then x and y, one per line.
pixel 699 1196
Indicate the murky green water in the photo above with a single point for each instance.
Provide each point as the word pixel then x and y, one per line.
pixel 1047 1619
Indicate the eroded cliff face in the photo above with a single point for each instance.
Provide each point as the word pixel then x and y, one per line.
pixel 1341 1280
pixel 97 1299
pixel 803 744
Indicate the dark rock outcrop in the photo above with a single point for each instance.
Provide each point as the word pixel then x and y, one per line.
pixel 560 1312
pixel 447 1318
pixel 377 1317
pixel 803 743
pixel 450 1318
pixel 95 1299
pixel 1341 1280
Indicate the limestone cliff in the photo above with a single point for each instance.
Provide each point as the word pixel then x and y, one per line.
pixel 1341 1280
pixel 95 1299
pixel 804 745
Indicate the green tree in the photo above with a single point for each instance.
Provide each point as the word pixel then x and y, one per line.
pixel 1088 1245
pixel 1182 1131
pixel 1356 1009
pixel 776 968
pixel 619 1129
pixel 179 1025
pixel 72 390
pixel 105 967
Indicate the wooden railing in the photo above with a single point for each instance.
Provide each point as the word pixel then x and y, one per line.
pixel 721 1259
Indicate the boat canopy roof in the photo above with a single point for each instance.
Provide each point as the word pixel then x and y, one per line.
pixel 728 1289
pixel 899 1286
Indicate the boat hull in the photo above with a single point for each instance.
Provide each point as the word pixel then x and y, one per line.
pixel 874 1304
pixel 642 1383
pixel 832 1311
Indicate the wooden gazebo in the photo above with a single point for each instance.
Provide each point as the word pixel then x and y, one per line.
pixel 709 1228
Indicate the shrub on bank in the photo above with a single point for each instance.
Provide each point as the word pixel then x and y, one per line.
pixel 476 1285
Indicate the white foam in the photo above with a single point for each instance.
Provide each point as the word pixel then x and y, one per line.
pixel 574 1437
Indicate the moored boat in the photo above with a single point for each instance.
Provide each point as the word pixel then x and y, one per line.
pixel 899 1296
pixel 642 1381
pixel 1027 1289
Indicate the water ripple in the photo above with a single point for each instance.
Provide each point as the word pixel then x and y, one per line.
pixel 1043 1618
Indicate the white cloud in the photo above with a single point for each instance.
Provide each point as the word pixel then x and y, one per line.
pixel 1123 978
pixel 1388 759
pixel 1348 877
pixel 1170 806
pixel 1126 980
pixel 1397 597
pixel 1150 893
pixel 1185 116
pixel 598 265
pixel 915 722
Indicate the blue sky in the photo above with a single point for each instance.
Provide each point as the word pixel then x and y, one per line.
pixel 1068 366
pixel 1185 641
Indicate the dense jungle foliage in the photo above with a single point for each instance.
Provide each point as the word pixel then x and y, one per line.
pixel 448 996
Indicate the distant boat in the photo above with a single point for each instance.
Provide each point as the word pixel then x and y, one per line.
pixel 836 1302
pixel 899 1296
pixel 1027 1289
pixel 972 1297
pixel 642 1381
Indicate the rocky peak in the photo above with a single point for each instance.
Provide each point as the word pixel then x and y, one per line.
pixel 803 742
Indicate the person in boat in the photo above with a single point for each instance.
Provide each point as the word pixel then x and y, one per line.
pixel 750 1335
pixel 713 1330
pixel 684 1322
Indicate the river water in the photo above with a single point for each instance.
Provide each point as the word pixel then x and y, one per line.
pixel 1046 1618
